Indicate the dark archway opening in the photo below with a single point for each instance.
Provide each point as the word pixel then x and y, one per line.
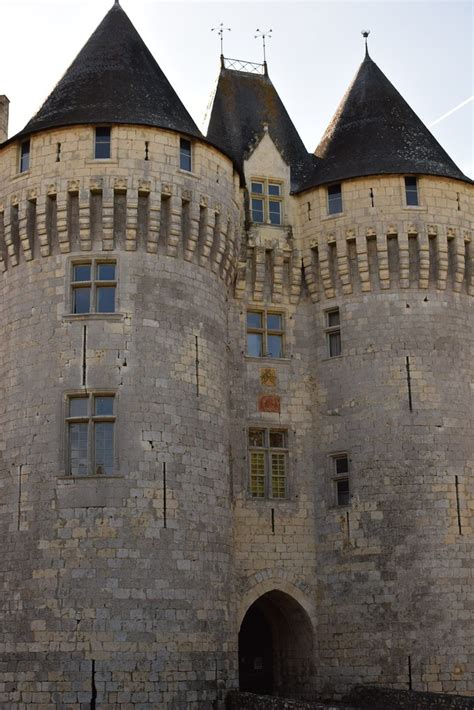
pixel 276 648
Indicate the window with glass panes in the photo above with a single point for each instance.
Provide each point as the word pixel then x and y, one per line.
pixel 102 143
pixel 340 463
pixel 334 199
pixel 185 162
pixel 24 156
pixel 264 334
pixel 90 434
pixel 411 191
pixel 93 287
pixel 266 201
pixel 268 454
pixel 333 332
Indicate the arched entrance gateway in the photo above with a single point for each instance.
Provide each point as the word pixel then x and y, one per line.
pixel 276 648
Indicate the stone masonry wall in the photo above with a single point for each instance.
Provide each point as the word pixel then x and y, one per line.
pixel 385 580
pixel 116 588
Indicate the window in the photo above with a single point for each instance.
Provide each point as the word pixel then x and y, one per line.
pixel 102 143
pixel 185 162
pixel 90 433
pixel 334 199
pixel 333 332
pixel 264 334
pixel 266 199
pixel 93 287
pixel 268 463
pixel 411 191
pixel 24 156
pixel 340 475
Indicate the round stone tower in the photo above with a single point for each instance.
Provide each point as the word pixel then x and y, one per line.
pixel 117 233
pixel 389 269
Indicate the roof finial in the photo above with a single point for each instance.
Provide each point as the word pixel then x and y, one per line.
pixel 117 2
pixel 264 35
pixel 220 31
pixel 365 34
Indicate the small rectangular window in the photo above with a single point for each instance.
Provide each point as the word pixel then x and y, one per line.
pixel 268 454
pixel 333 333
pixel 340 475
pixel 266 202
pixel 93 287
pixel 90 426
pixel 25 156
pixel 265 331
pixel 411 191
pixel 102 143
pixel 334 199
pixel 185 162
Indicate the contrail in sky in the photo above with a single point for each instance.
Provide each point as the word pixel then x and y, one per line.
pixel 456 108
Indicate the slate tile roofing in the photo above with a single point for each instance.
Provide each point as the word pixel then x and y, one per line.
pixel 374 131
pixel 114 79
pixel 245 105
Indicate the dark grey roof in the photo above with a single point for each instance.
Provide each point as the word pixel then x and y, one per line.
pixel 114 79
pixel 374 131
pixel 243 104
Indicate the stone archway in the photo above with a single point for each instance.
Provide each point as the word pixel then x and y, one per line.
pixel 276 648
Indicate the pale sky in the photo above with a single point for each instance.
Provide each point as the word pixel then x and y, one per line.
pixel 424 48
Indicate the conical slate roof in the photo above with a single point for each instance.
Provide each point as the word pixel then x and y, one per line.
pixel 374 131
pixel 114 79
pixel 245 105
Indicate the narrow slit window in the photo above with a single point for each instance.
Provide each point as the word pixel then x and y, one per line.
pixel 340 475
pixel 333 333
pixel 411 192
pixel 185 154
pixel 25 156
pixel 334 199
pixel 102 149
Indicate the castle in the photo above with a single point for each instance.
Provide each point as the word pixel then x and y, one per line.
pixel 236 403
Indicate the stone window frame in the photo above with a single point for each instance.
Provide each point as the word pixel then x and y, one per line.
pixel 340 478
pixel 91 419
pixel 410 190
pixel 267 199
pixel 24 157
pixel 184 155
pixel 94 261
pixel 331 330
pixel 331 202
pixel 97 143
pixel 267 452
pixel 265 331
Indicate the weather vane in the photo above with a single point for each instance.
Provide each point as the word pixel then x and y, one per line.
pixel 365 34
pixel 220 31
pixel 264 35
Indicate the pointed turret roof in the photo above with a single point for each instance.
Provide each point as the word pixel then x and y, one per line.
pixel 114 79
pixel 245 106
pixel 374 131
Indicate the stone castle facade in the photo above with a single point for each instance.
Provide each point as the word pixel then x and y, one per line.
pixel 236 397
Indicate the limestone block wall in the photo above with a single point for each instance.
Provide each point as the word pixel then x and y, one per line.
pixel 116 589
pixel 386 580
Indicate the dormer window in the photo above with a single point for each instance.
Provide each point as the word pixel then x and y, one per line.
pixel 411 192
pixel 102 143
pixel 266 201
pixel 185 155
pixel 335 199
pixel 25 156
